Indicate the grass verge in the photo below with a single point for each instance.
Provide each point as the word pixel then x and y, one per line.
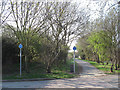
pixel 63 71
pixel 105 68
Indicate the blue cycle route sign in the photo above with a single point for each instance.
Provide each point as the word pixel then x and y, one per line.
pixel 74 48
pixel 20 46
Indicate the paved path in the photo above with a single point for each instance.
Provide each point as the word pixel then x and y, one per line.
pixel 89 78
pixel 88 69
pixel 91 71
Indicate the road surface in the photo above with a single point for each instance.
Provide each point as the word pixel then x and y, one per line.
pixel 89 78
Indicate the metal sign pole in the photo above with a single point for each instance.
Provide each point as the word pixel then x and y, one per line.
pixel 20 46
pixel 74 48
pixel 20 62
pixel 74 61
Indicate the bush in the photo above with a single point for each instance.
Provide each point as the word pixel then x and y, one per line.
pixel 9 55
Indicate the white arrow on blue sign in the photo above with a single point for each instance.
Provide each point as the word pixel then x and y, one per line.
pixel 74 48
pixel 20 46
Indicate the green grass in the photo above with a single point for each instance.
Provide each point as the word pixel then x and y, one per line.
pixel 63 71
pixel 105 68
pixel 56 74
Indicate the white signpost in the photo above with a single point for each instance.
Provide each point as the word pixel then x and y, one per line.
pixel 74 48
pixel 20 46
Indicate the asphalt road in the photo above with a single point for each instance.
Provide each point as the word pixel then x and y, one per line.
pixel 90 77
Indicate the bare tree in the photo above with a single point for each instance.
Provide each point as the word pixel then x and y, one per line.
pixel 62 22
pixel 65 21
pixel 5 11
pixel 26 20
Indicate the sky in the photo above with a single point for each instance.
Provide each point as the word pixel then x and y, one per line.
pixel 93 6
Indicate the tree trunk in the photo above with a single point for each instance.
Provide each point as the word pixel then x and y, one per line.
pixel 48 69
pixel 111 68
pixel 26 64
pixel 118 60
pixel 119 64
pixel 65 61
pixel 116 68
pixel 98 61
pixel 107 63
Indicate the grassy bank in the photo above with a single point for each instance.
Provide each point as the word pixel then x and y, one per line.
pixel 63 71
pixel 105 68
